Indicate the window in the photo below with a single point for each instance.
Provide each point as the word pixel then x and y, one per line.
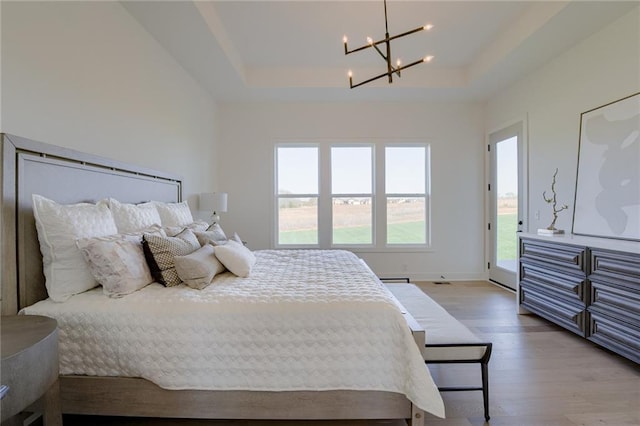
pixel 405 190
pixel 298 190
pixel 372 195
pixel 352 193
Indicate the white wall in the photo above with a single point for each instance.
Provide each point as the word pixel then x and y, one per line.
pixel 455 132
pixel 601 69
pixel 87 76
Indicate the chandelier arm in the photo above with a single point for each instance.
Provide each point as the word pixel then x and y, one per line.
pixel 386 74
pixel 353 86
pixel 404 67
pixel 406 33
pixel 384 40
pixel 358 49
pixel 386 58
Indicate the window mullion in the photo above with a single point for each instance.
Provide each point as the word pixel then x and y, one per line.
pixel 380 199
pixel 325 218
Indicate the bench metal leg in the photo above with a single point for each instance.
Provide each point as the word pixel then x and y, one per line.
pixel 485 388
pixel 484 369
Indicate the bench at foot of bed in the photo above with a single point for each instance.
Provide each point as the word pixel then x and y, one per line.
pixel 448 341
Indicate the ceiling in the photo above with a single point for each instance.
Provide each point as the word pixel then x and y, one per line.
pixel 269 50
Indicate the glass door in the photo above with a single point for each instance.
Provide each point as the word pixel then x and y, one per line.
pixel 505 195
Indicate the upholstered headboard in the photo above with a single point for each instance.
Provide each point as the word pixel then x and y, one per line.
pixel 66 176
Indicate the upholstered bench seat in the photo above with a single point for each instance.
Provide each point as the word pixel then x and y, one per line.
pixel 447 339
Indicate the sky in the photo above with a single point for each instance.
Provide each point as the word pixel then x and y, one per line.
pixel 351 170
pixel 507 165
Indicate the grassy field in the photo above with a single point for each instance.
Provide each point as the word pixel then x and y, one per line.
pixel 507 227
pixel 405 233
pixel 408 232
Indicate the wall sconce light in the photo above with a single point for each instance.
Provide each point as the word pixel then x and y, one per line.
pixel 215 202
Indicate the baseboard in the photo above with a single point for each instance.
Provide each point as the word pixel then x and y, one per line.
pixel 454 276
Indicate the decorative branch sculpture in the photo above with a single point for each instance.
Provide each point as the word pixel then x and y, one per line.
pixel 554 203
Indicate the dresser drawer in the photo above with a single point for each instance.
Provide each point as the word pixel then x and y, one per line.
pixel 570 287
pixel 616 265
pixel 568 315
pixel 616 300
pixel 617 336
pixel 568 257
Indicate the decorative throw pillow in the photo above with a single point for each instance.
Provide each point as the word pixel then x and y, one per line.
pixel 117 262
pixel 133 217
pixel 59 226
pixel 198 268
pixel 198 226
pixel 174 214
pixel 160 253
pixel 213 234
pixel 236 258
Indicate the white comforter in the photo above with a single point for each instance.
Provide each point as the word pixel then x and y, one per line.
pixel 303 320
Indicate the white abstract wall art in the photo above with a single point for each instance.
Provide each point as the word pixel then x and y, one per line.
pixel 608 183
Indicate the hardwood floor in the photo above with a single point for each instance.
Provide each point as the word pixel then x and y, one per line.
pixel 540 374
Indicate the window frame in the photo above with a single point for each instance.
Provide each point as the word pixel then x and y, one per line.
pixel 278 196
pixel 378 197
pixel 426 195
pixel 371 195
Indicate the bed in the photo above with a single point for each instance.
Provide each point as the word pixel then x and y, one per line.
pixel 68 176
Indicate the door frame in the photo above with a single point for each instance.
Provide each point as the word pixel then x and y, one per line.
pixel 523 187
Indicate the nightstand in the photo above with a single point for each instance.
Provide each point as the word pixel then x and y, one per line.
pixel 29 367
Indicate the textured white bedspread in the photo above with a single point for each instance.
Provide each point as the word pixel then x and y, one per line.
pixel 303 320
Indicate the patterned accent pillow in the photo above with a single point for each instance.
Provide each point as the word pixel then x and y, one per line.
pixel 59 226
pixel 236 258
pixel 213 234
pixel 198 268
pixel 133 217
pixel 174 214
pixel 160 253
pixel 117 261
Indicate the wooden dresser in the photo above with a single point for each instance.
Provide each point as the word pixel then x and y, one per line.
pixel 590 286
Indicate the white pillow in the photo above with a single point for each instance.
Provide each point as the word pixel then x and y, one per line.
pixel 117 262
pixel 196 226
pixel 133 217
pixel 237 238
pixel 198 268
pixel 236 257
pixel 213 234
pixel 59 226
pixel 174 214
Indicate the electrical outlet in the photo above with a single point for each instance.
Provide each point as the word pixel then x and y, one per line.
pixel 537 215
pixel 405 267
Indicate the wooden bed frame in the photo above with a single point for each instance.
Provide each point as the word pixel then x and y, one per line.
pixel 69 176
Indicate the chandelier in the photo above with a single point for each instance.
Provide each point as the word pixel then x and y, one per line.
pixel 386 55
